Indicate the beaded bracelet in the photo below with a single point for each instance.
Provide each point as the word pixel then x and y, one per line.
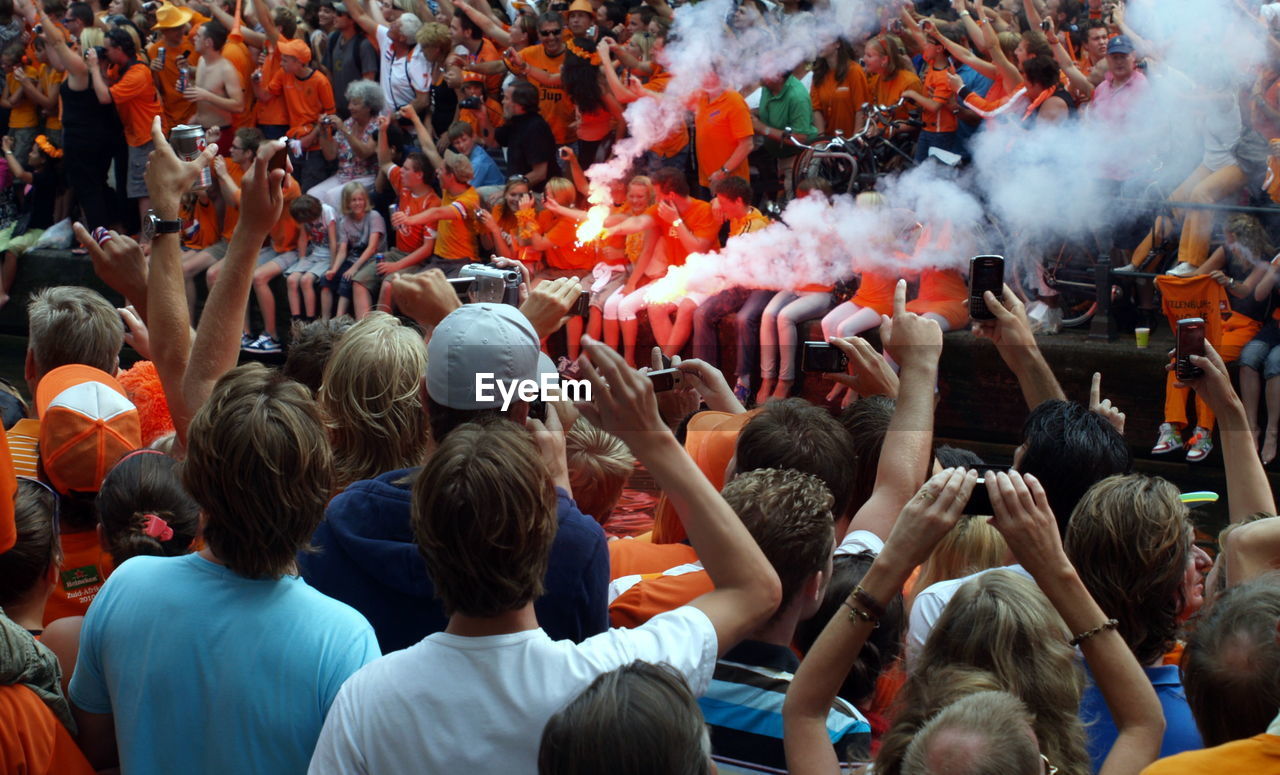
pixel 868 602
pixel 857 613
pixel 1109 624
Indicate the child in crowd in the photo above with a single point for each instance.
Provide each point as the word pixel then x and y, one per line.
pixel 462 138
pixel 41 180
pixel 317 244
pixel 361 232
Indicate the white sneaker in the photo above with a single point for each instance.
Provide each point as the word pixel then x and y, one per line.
pixel 1126 269
pixel 264 344
pixel 1183 269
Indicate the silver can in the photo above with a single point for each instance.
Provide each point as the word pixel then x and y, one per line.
pixel 188 142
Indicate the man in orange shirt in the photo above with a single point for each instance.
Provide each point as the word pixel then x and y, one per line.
pixel 172 22
pixel 723 134
pixel 468 35
pixel 307 96
pixel 454 220
pixel 542 65
pixel 134 94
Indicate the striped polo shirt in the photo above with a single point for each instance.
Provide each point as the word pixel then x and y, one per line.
pixel 743 708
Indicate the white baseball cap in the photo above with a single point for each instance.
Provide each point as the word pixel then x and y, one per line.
pixel 479 339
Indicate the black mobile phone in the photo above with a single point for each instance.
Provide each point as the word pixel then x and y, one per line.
pixel 462 287
pixel 538 410
pixel 581 307
pixel 1190 342
pixel 986 273
pixel 279 160
pixel 1046 25
pixel 980 500
pixel 824 357
pixel 664 379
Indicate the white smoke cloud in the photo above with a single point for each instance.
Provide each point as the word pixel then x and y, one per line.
pixel 1041 186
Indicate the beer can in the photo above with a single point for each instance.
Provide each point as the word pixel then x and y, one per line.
pixel 160 55
pixel 188 143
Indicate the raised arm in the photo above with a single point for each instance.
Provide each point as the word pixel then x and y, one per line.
pixel 928 516
pixel 915 343
pixel 1017 346
pixel 1248 491
pixel 364 17
pixel 487 24
pixel 216 349
pixel 1023 517
pixel 747 590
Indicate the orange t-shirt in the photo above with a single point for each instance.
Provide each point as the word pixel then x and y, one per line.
pixel 658 593
pixel 306 99
pixel 563 234
pixel 678 140
pixel 137 103
pixel 720 124
pixel 51 76
pixel 887 92
pixel 1260 753
pixel 32 739
pixel 637 557
pixel 875 291
pixel 199 225
pixel 553 103
pixel 699 219
pixel 25 114
pixel 938 89
pixel 231 214
pixel 456 239
pixel 177 110
pixel 271 112
pixel 84 569
pixel 488 53
pixel 412 237
pixel 24 441
pixel 284 235
pixel 839 102
pixel 493 109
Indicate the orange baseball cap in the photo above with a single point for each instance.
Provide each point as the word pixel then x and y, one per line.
pixel 86 425
pixel 711 440
pixel 298 49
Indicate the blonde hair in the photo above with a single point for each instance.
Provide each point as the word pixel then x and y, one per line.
pixel 562 190
pixel 350 190
pixel 70 324
pixel 432 35
pixel 599 467
pixel 1000 623
pixel 458 166
pixel 972 545
pixel 870 200
pixel 371 394
pixel 996 718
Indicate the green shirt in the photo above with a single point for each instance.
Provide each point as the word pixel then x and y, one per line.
pixel 790 107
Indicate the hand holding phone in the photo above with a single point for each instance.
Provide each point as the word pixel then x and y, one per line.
pixel 664 379
pixel 1190 342
pixel 986 273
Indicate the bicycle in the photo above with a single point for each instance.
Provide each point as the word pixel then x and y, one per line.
pixel 856 163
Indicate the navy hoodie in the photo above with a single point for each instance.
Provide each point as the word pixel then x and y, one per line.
pixel 367 558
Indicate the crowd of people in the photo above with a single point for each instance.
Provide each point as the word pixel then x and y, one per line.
pixel 359 561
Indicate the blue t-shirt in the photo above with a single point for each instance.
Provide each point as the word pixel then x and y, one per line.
pixel 208 671
pixel 484 171
pixel 1180 733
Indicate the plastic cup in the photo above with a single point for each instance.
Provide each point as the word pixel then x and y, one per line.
pixel 1142 336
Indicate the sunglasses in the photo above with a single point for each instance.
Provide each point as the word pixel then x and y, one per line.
pixel 550 33
pixel 57 500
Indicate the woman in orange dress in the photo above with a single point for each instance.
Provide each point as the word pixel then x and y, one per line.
pixel 839 89
pixel 943 294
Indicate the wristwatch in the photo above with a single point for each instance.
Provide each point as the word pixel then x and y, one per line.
pixel 154 225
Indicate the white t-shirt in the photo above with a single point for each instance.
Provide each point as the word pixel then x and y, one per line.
pixel 402 78
pixel 930 603
pixel 453 704
pixel 859 541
